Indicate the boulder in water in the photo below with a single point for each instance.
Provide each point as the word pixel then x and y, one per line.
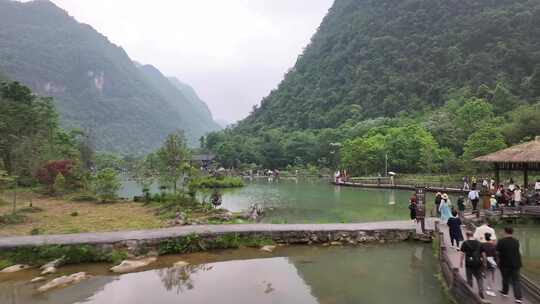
pixel 55 264
pixel 130 265
pixel 48 270
pixel 64 281
pixel 180 264
pixel 38 279
pixel 14 268
pixel 268 248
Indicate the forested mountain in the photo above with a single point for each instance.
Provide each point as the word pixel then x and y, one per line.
pixel 198 105
pixel 95 85
pixel 409 77
pixel 374 58
pixel 193 112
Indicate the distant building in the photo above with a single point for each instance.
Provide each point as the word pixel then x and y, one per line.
pixel 202 160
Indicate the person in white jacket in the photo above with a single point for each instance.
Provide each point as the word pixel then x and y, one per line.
pixel 480 233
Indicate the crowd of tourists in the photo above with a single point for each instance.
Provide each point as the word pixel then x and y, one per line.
pixel 508 194
pixel 482 255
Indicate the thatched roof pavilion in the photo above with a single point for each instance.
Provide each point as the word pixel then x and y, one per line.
pixel 523 157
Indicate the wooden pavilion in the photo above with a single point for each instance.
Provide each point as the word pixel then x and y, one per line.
pixel 523 157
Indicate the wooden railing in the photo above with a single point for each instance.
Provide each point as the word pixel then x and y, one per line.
pixel 531 289
pixel 457 286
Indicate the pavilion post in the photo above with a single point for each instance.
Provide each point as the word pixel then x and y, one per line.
pixel 497 175
pixel 526 176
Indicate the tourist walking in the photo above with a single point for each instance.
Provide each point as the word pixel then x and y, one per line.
pixel 454 229
pixel 489 254
pixel 510 263
pixel 461 206
pixel 444 209
pixel 474 197
pixel 413 207
pixel 465 184
pixel 517 197
pixel 471 255
pixel 480 232
pixel 438 198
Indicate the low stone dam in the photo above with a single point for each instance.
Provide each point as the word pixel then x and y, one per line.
pixel 135 241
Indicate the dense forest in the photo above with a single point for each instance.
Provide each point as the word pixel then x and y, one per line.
pixel 96 86
pixel 430 84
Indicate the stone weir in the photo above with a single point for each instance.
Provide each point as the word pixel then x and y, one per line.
pixel 132 241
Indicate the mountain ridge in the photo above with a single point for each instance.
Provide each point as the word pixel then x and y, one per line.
pixel 95 84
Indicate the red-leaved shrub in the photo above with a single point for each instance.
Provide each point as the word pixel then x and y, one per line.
pixel 47 174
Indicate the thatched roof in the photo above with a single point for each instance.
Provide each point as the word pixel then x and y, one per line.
pixel 524 153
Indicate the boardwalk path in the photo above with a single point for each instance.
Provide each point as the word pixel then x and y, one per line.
pixel 454 256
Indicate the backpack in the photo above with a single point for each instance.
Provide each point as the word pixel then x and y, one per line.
pixel 474 260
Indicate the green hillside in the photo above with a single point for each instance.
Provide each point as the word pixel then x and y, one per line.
pixel 197 104
pixel 193 112
pixel 95 85
pixel 374 58
pixel 379 69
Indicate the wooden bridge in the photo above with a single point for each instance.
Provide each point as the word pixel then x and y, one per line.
pixel 454 276
pixel 401 185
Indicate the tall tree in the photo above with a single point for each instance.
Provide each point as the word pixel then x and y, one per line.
pixel 174 157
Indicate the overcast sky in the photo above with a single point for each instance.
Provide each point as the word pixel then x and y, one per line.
pixel 233 52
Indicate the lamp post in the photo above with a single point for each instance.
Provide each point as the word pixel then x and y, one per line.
pixel 335 149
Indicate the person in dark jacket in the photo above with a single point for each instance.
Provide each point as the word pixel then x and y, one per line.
pixel 438 199
pixel 461 206
pixel 509 261
pixel 413 207
pixel 471 256
pixel 454 229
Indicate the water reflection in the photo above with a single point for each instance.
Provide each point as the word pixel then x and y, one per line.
pixel 179 278
pixel 398 273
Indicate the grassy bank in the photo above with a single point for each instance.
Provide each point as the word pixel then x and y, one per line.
pixel 61 215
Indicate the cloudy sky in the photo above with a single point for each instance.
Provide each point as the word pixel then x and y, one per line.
pixel 233 52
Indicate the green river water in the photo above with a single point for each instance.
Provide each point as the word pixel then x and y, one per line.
pixel 395 273
pixel 317 201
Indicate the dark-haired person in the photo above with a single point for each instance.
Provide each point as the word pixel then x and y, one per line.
pixel 471 254
pixel 489 254
pixel 509 260
pixel 454 229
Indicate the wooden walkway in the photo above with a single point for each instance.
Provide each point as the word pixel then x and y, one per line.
pixel 400 187
pixel 454 256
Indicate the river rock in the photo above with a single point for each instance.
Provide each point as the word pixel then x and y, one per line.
pixel 335 243
pixel 268 248
pixel 180 264
pixel 38 279
pixel 64 281
pixel 130 265
pixel 14 268
pixel 56 263
pixel 48 270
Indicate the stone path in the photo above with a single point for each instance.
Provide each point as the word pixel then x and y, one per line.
pixel 455 256
pixel 119 236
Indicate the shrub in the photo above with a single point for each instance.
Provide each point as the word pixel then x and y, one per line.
pixel 59 184
pixel 107 185
pixel 37 231
pixel 48 173
pixel 12 218
pixel 216 182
